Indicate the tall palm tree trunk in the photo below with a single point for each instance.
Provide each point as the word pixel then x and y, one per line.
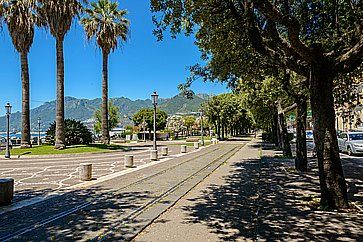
pixel 25 133
pixel 105 127
pixel 59 134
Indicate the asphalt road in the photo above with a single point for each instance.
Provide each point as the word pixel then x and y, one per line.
pixel 116 209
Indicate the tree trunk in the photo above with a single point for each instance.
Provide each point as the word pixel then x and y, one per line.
pixel 301 162
pixel 59 119
pixel 105 126
pixel 25 132
pixel 286 147
pixel 332 182
pixel 223 130
pixel 279 133
pixel 275 130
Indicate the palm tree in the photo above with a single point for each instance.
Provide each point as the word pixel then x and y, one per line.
pixel 21 19
pixel 108 26
pixel 58 16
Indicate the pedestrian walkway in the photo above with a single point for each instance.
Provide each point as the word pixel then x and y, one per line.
pixel 221 208
pixel 116 209
pixel 253 199
pixel 43 175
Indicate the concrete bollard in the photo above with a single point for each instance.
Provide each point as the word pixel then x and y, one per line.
pixel 154 155
pixel 85 171
pixel 183 149
pixel 165 151
pixel 129 161
pixel 196 145
pixel 6 191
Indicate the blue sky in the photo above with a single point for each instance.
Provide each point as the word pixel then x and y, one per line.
pixel 139 67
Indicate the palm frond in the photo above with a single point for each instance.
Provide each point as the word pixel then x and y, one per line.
pixel 105 23
pixel 59 14
pixel 21 18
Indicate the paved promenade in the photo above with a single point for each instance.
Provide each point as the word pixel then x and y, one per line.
pixel 224 192
pixel 253 199
pixel 115 209
pixel 41 175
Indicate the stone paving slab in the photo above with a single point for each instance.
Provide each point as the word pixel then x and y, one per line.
pixel 250 199
pixel 221 208
pixel 92 211
pixel 42 175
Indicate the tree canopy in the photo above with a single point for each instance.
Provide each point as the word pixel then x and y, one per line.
pixel 113 120
pixel 319 40
pixel 147 115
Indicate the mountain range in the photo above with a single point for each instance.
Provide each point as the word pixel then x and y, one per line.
pixel 83 109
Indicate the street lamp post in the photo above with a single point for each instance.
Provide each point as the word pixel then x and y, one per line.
pixel 39 122
pixel 155 97
pixel 8 112
pixel 201 126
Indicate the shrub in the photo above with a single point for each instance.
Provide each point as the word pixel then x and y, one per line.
pixel 123 135
pixel 76 133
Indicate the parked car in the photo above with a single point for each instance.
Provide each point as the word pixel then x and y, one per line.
pixel 351 142
pixel 309 135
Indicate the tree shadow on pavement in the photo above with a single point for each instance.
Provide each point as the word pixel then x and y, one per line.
pixel 264 201
pixel 353 170
pixel 229 210
pixel 25 194
pixel 94 212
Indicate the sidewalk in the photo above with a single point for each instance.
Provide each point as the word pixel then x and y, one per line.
pixel 217 209
pixel 252 199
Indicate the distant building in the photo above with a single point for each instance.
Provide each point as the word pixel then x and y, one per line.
pixel 350 115
pixel 90 123
pixel 117 131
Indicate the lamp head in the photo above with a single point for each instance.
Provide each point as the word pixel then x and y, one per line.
pixel 8 108
pixel 155 98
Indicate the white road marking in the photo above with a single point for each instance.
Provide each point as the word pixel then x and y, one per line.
pixel 64 189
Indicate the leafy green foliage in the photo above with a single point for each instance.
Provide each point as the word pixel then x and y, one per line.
pixel 113 120
pixel 228 110
pixel 189 122
pixel 76 133
pixel 147 115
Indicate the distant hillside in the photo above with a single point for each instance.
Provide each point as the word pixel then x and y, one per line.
pixel 83 109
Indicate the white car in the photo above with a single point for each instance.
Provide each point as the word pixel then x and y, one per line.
pixel 351 142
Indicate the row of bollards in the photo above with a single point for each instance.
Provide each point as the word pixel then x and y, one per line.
pixel 85 171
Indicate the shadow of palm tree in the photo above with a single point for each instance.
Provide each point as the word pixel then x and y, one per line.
pixel 263 201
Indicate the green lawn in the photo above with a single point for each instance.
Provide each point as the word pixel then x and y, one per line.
pixel 76 149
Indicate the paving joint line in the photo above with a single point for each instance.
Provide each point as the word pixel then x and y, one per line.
pixel 35 200
pixel 84 205
pixel 151 203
